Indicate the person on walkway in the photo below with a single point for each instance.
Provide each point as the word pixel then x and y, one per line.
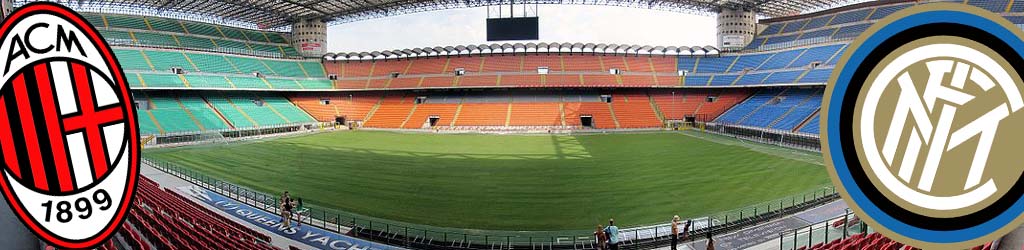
pixel 686 229
pixel 711 242
pixel 613 235
pixel 287 207
pixel 675 231
pixel 600 238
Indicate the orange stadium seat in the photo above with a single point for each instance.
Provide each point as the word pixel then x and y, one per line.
pixel 477 81
pixel 600 80
pixel 532 62
pixel 405 82
pixel 444 111
pixel 536 114
pixel 438 81
pixel 582 63
pixel 503 64
pixel 482 114
pixel 635 111
pixel 570 80
pixel 521 80
pixel 427 66
pixel 470 64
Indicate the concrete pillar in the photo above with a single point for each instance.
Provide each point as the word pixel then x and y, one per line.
pixel 736 28
pixel 309 37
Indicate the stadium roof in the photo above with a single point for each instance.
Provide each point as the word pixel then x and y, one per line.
pixel 271 14
pixel 506 48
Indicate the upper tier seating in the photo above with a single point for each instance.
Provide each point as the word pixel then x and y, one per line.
pixel 130 30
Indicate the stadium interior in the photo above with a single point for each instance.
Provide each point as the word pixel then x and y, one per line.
pixel 196 81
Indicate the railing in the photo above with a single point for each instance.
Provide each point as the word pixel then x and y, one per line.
pixel 194 137
pixel 783 138
pixel 837 228
pixel 430 237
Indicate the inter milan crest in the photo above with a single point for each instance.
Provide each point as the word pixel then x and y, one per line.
pixel 923 119
pixel 68 132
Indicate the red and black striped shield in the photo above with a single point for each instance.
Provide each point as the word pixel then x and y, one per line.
pixel 68 131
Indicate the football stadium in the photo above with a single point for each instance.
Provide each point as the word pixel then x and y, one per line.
pixel 509 144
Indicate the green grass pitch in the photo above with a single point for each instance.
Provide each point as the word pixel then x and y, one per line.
pixel 512 182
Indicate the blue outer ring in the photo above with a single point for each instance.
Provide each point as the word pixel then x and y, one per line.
pixel 836 105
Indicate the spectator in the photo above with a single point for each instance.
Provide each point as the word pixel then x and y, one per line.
pixel 287 211
pixel 686 229
pixel 613 235
pixel 711 242
pixel 600 238
pixel 299 209
pixel 675 231
pixel 280 206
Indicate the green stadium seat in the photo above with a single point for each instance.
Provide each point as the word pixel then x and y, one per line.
pixel 202 112
pixel 283 83
pixel 196 42
pixel 290 51
pixel 248 65
pixel 162 80
pixel 154 39
pixel 247 82
pixel 171 116
pixel 163 61
pixel 128 22
pixel 161 24
pixel 146 124
pixel 232 46
pixel 276 38
pixel 233 33
pixel 285 68
pixel 265 50
pixel 131 60
pixel 263 115
pixel 211 63
pixel 230 112
pixel 290 112
pixel 115 37
pixel 133 80
pixel 316 84
pixel 95 19
pixel 206 81
pixel 315 69
pixel 202 29
pixel 255 36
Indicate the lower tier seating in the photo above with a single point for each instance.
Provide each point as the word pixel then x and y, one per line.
pixel 174 113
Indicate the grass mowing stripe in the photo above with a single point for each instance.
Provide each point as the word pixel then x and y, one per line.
pixel 511 182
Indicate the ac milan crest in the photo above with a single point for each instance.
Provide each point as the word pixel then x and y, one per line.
pixel 68 132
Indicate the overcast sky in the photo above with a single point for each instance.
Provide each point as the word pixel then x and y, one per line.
pixel 558 23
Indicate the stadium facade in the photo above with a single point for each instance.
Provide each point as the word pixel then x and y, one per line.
pixel 195 79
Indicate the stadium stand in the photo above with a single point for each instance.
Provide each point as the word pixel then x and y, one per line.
pixel 170 33
pixel 165 220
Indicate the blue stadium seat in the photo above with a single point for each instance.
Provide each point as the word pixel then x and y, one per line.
pixel 723 80
pixel 696 80
pixel 752 79
pixel 749 61
pixel 851 16
pixel 714 64
pixel 812 126
pixel 783 77
pixel 741 110
pixel 816 76
pixel 781 60
pixel 816 54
